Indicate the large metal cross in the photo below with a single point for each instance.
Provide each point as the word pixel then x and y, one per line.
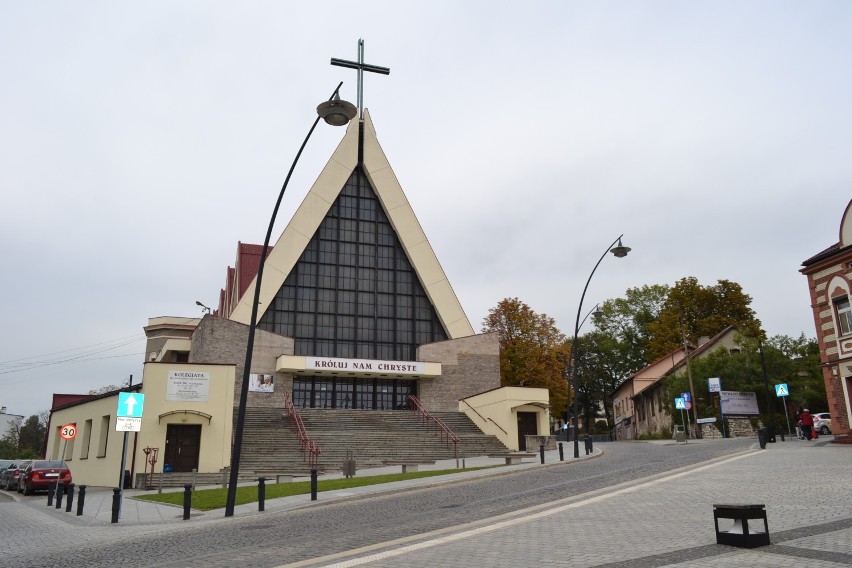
pixel 361 67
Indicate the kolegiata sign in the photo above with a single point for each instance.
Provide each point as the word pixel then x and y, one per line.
pixel 188 386
pixel 735 403
pixel 714 384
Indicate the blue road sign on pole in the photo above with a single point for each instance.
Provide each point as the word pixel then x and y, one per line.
pixel 130 404
pixel 782 390
pixel 680 404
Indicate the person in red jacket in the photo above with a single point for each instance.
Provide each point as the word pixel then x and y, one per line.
pixel 807 424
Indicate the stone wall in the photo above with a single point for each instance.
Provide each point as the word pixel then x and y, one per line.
pixel 469 366
pixel 220 340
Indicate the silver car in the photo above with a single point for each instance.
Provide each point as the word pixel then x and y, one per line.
pixel 822 422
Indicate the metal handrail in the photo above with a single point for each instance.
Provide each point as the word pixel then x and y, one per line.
pixel 310 450
pixel 446 432
pixel 483 418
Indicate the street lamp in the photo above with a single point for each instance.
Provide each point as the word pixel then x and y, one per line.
pixel 620 251
pixel 337 113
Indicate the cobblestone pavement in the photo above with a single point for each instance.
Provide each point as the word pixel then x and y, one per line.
pixel 667 521
pixel 621 509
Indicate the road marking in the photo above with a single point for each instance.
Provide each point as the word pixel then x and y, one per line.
pixel 540 514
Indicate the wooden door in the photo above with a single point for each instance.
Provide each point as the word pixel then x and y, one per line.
pixel 527 425
pixel 183 444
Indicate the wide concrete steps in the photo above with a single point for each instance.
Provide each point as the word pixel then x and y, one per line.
pixel 270 445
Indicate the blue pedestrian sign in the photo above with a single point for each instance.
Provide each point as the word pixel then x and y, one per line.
pixel 130 405
pixel 782 390
pixel 680 404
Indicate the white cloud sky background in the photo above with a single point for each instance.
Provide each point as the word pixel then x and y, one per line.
pixel 140 142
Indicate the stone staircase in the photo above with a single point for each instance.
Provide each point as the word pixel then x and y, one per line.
pixel 271 447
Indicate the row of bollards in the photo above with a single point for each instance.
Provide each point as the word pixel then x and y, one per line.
pixel 587 442
pixel 55 492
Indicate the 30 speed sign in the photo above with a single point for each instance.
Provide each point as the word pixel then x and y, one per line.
pixel 68 431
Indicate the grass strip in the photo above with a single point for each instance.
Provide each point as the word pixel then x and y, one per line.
pixel 209 499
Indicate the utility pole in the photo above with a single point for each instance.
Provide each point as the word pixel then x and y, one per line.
pixel 689 374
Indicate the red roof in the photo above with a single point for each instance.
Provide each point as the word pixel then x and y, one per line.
pixel 240 277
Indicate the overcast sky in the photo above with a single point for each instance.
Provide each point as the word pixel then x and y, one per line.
pixel 140 141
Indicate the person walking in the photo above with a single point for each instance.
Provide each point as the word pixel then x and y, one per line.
pixel 807 424
pixel 799 423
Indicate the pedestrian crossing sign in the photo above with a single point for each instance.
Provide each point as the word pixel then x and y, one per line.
pixel 680 404
pixel 782 390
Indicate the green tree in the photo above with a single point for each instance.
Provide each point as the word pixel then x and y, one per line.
pixel 600 369
pixel 532 349
pixel 32 435
pixel 788 360
pixel 696 311
pixel 627 321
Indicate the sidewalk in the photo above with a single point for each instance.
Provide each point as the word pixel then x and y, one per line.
pixel 98 504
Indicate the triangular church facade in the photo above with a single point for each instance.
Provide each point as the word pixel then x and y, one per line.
pixel 356 286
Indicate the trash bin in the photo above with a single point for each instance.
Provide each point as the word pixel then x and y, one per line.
pixel 770 434
pixel 762 437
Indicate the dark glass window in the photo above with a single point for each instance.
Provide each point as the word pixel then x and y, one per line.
pixel 353 266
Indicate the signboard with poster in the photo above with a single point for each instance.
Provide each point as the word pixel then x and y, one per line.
pixel 735 403
pixel 261 382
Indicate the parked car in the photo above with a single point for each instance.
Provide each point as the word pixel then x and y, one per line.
pixel 822 422
pixel 4 465
pixel 11 475
pixel 39 474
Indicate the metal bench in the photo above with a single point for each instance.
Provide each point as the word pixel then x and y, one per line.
pixel 740 534
pixel 409 466
pixel 512 459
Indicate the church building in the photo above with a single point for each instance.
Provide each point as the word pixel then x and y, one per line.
pixel 355 313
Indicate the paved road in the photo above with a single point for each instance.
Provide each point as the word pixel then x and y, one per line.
pixel 615 508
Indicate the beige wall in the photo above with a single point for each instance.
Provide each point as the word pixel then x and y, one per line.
pixel 103 470
pixel 496 412
pixel 469 366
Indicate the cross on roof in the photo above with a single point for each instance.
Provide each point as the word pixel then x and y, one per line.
pixel 361 67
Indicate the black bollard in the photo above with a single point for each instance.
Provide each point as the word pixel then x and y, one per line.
pixel 561 453
pixel 81 499
pixel 70 502
pixel 588 443
pixel 187 500
pixel 51 489
pixel 261 493
pixel 116 504
pixel 59 491
pixel 782 435
pixel 541 453
pixel 313 485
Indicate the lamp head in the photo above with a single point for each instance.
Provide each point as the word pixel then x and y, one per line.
pixel 619 250
pixel 337 112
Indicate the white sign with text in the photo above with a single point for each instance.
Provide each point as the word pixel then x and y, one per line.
pixel 188 386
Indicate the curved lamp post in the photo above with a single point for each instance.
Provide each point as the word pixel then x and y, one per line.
pixel 337 113
pixel 620 251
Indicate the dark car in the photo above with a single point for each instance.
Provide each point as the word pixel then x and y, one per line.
pixel 41 473
pixel 11 475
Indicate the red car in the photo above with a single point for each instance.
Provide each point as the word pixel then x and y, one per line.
pixel 41 473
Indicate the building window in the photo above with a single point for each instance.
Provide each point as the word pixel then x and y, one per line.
pixel 103 437
pixel 355 265
pixel 87 438
pixel 844 315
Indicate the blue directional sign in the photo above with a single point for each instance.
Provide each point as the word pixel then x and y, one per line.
pixel 782 390
pixel 685 396
pixel 130 405
pixel 680 404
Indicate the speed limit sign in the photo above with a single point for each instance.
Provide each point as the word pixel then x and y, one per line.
pixel 68 431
